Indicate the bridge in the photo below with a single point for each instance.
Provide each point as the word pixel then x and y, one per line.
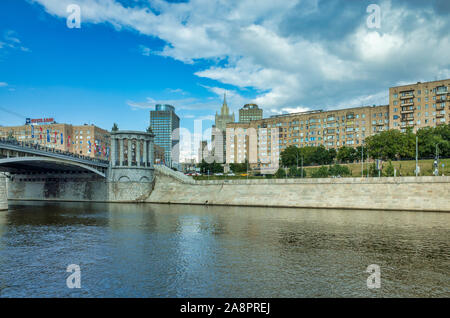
pixel 35 172
pixel 26 159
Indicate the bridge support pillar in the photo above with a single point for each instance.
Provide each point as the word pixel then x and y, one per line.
pixel 3 193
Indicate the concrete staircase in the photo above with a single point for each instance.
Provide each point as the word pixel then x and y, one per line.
pixel 174 174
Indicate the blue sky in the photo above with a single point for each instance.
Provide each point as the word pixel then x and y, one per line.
pixel 287 56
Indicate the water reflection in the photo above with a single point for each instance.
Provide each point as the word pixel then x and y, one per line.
pixel 145 250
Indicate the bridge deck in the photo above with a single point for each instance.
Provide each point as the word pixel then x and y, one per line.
pixel 36 150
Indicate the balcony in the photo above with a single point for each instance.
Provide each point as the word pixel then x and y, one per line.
pixel 379 124
pixel 407 111
pixel 440 115
pixel 440 107
pixel 407 119
pixel 442 92
pixel 407 96
pixel 407 104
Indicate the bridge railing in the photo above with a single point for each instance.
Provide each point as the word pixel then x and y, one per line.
pixel 33 146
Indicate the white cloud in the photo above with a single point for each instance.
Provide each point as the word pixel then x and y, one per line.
pixel 288 71
pixel 3 84
pixel 11 41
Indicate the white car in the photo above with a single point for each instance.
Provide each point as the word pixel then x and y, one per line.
pixel 231 174
pixel 218 174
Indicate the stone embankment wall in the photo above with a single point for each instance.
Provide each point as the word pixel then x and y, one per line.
pixel 405 193
pixel 89 191
pixel 3 193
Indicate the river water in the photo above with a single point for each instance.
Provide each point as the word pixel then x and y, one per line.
pixel 147 250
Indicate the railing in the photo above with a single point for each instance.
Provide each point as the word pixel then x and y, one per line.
pixel 36 147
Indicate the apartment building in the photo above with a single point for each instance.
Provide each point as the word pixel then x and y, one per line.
pixel 263 140
pixel 419 105
pixel 250 112
pixel 90 140
pixel 86 140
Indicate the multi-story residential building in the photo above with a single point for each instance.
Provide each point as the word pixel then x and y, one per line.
pixel 250 112
pixel 90 140
pixel 86 140
pixel 203 151
pixel 268 137
pixel 419 105
pixel 165 125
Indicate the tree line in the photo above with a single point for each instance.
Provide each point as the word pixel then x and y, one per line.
pixel 386 145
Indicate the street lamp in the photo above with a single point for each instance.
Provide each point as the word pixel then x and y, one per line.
pixel 362 161
pixel 417 156
pixel 437 159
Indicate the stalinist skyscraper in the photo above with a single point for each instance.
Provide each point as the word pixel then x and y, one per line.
pixel 219 131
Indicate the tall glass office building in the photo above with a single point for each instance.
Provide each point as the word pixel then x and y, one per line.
pixel 163 122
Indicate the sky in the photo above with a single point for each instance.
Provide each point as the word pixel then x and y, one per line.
pixel 286 56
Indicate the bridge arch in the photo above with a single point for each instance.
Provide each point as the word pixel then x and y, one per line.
pixel 27 163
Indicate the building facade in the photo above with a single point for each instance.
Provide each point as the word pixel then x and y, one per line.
pixel 419 105
pixel 250 112
pixel 86 140
pixel 218 135
pixel 262 141
pixel 165 126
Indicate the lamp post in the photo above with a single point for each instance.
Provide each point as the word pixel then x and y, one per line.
pixel 437 159
pixel 302 166
pixel 362 161
pixel 417 162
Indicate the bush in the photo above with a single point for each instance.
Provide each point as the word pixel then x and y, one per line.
pixel 339 171
pixel 389 170
pixel 373 172
pixel 322 172
pixel 281 173
pixel 294 172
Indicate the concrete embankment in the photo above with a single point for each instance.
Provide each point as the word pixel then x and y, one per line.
pixel 3 193
pixel 79 191
pixel 405 193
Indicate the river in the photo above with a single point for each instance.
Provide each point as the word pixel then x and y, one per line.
pixel 147 250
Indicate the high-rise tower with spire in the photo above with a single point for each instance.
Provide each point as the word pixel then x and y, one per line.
pixel 219 130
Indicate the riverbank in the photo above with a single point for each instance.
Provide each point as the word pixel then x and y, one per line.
pixel 402 193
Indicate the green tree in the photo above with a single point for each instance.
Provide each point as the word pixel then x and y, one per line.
pixel 239 167
pixel 212 168
pixel 429 137
pixel 347 154
pixel 391 144
pixel 290 155
pixel 322 156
